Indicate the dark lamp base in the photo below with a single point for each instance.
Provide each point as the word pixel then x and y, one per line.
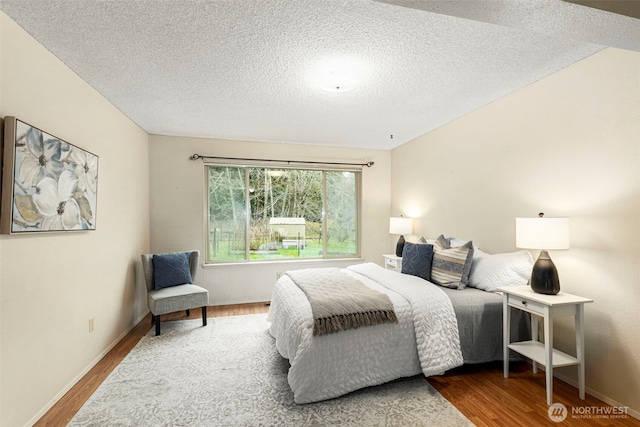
pixel 400 246
pixel 544 277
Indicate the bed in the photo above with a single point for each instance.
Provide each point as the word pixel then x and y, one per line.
pixel 437 329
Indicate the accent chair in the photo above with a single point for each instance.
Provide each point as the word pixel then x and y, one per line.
pixel 170 287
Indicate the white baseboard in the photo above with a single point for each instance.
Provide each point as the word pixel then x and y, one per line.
pixel 84 372
pixel 631 412
pixel 588 390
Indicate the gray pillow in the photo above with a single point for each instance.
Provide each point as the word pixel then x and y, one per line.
pixel 451 266
pixel 416 259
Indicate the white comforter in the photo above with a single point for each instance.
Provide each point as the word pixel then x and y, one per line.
pixel 323 367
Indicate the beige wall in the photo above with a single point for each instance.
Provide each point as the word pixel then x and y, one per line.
pixel 177 208
pixel 52 284
pixel 568 145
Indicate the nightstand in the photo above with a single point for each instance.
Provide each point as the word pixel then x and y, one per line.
pixel 547 307
pixel 393 262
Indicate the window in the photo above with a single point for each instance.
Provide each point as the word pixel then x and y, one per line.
pixel 258 213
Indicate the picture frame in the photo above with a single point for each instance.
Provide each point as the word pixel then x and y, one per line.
pixel 48 184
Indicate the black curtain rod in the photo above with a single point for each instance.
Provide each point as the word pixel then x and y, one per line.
pixel 198 156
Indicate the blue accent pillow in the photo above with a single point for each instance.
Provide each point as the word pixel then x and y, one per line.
pixel 171 270
pixel 417 259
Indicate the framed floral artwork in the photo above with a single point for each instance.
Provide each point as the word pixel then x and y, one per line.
pixel 48 184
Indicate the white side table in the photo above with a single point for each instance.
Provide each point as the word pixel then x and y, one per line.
pixel 393 262
pixel 547 307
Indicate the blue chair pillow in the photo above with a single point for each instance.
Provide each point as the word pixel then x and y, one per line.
pixel 417 259
pixel 171 270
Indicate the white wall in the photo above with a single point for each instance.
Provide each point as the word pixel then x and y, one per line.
pixel 568 145
pixel 50 285
pixel 178 209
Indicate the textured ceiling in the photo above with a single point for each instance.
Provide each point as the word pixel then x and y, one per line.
pixel 244 70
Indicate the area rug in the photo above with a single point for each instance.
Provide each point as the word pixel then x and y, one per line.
pixel 230 374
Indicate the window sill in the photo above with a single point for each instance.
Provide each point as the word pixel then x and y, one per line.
pixel 281 262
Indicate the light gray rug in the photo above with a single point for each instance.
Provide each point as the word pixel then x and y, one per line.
pixel 230 374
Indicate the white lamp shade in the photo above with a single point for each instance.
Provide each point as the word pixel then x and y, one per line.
pixel 400 225
pixel 542 233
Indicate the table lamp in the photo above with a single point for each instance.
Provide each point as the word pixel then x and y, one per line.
pixel 400 226
pixel 544 234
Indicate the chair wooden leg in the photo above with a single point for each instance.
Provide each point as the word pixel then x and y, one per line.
pixel 204 315
pixel 157 325
pixel 188 312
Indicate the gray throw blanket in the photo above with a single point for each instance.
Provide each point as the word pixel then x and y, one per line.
pixel 340 302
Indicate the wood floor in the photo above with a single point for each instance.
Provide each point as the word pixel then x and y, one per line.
pixel 480 392
pixel 484 396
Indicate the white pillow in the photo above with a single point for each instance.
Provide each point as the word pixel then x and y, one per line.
pixel 414 238
pixel 489 272
pixel 455 242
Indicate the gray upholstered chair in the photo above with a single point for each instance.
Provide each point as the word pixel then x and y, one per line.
pixel 175 297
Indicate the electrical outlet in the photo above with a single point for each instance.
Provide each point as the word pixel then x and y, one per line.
pixel 91 324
